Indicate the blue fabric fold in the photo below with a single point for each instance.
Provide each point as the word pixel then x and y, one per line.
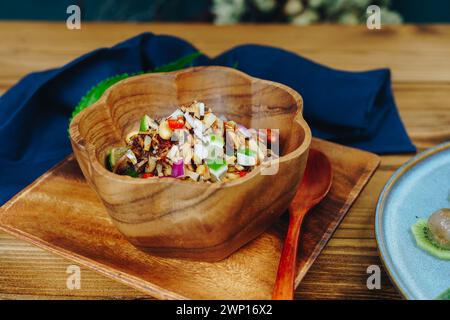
pixel 352 108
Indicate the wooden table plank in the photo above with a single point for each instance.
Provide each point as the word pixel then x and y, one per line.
pixel 417 56
pixel 414 53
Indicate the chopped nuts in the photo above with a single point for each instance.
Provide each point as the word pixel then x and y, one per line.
pixel 151 164
pixel 167 169
pixel 232 176
pixel 159 170
pixel 164 131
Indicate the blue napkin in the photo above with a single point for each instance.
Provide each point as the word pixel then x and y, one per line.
pixel 351 108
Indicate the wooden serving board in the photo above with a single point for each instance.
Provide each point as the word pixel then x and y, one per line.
pixel 60 213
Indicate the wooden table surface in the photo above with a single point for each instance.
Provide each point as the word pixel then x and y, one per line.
pixel 417 55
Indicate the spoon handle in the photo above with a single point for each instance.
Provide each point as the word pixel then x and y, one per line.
pixel 284 284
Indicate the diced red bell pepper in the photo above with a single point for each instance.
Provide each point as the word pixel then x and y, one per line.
pixel 271 137
pixel 242 173
pixel 147 175
pixel 176 123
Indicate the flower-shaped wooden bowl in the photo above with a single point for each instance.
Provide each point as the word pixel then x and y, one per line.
pixel 171 217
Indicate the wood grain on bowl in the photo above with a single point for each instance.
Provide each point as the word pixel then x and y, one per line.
pixel 185 219
pixel 61 213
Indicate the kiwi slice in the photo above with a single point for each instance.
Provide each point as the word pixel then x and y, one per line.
pixel 425 240
pixel 114 155
pixel 444 295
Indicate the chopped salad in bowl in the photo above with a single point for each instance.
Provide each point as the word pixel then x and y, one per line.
pixel 192 144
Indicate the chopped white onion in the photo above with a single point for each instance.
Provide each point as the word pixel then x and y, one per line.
pixel 173 153
pixel 130 155
pixel 175 114
pixel 209 120
pixel 200 151
pixel 147 143
pixel 189 119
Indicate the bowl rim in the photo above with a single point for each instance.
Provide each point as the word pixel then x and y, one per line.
pixel 77 139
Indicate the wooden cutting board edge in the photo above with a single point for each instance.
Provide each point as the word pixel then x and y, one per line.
pixel 148 287
pixel 135 282
pixel 372 165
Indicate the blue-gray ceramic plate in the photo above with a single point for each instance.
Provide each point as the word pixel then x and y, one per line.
pixel 417 189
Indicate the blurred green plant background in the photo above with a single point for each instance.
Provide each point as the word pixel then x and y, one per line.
pixel 231 11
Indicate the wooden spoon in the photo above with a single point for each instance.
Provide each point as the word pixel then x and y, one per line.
pixel 313 188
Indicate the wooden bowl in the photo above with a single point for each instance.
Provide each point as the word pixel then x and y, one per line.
pixel 170 217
